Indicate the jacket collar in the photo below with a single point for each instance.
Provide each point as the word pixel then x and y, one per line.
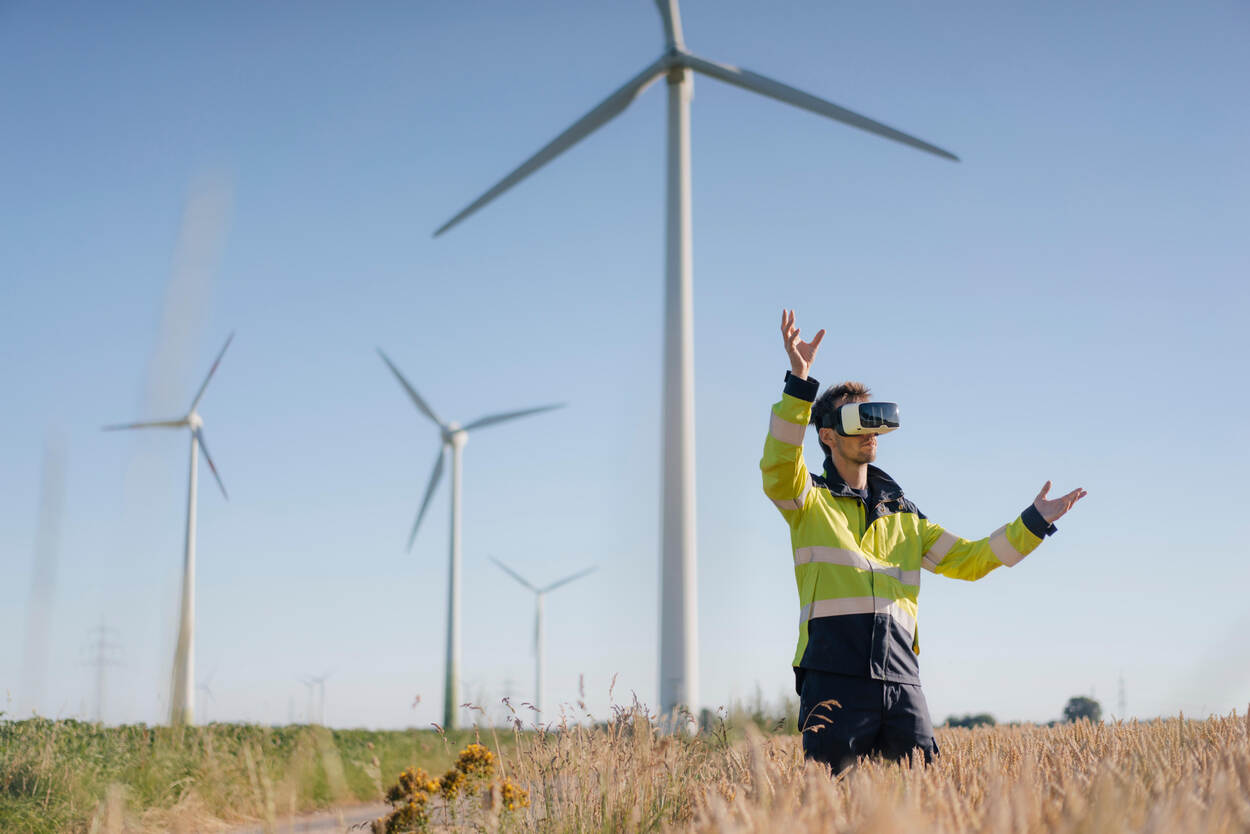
pixel 881 487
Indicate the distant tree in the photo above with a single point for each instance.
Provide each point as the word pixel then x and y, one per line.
pixel 1079 707
pixel 983 719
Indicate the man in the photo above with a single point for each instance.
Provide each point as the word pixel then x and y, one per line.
pixel 859 546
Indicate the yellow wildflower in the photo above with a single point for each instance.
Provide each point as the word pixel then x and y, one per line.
pixel 513 796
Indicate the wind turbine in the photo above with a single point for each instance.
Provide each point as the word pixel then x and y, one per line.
pixel 678 597
pixel 538 622
pixel 311 685
pixel 454 436
pixel 182 701
pixel 315 684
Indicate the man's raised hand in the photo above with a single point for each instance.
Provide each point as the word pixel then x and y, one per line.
pixel 1053 509
pixel 801 353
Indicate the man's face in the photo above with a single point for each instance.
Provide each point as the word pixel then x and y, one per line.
pixel 858 449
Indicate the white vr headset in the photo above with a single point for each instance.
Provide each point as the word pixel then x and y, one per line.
pixel 863 418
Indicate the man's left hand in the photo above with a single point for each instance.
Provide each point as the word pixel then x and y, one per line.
pixel 1053 509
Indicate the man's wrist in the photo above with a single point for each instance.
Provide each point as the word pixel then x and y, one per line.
pixel 1036 522
pixel 804 388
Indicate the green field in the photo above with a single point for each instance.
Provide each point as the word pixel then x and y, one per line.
pixel 58 776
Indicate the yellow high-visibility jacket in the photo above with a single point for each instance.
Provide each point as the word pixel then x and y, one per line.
pixel 857 564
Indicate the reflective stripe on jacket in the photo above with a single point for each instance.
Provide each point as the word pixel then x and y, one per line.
pixel 858 566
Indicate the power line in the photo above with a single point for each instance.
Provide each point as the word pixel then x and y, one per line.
pixel 103 651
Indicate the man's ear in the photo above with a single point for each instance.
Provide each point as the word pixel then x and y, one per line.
pixel 827 437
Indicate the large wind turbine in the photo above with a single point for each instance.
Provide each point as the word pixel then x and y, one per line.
pixel 182 700
pixel 454 436
pixel 538 623
pixel 678 598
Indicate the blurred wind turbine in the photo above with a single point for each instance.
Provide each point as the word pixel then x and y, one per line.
pixel 39 606
pixel 182 700
pixel 538 622
pixel 319 683
pixel 311 685
pixel 678 592
pixel 454 436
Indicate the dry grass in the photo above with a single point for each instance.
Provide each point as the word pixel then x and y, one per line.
pixel 1173 775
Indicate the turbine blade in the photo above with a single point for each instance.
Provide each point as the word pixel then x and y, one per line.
pixel 566 580
pixel 412 392
pixel 490 420
pixel 783 92
pixel 514 574
pixel 671 16
pixel 151 424
pixel 429 493
pixel 583 127
pixel 199 394
pixel 199 434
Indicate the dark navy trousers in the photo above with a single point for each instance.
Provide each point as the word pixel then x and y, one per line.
pixel 870 717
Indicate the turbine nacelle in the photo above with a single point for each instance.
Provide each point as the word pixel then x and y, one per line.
pixel 455 436
pixel 194 421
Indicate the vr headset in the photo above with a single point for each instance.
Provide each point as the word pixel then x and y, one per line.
pixel 863 418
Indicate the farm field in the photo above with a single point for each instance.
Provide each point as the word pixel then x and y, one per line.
pixel 1168 775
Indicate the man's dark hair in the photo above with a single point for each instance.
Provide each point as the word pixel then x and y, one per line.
pixel 828 402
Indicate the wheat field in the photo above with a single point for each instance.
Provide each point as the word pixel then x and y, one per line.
pixel 628 774
pixel 1173 775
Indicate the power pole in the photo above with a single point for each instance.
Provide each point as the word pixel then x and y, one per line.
pixel 103 651
pixel 1120 702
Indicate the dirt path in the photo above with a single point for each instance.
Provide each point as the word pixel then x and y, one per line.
pixel 323 822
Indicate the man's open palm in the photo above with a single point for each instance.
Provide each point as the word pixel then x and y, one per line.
pixel 1053 509
pixel 801 353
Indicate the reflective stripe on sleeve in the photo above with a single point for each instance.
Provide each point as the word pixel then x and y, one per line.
pixel 851 559
pixel 858 605
pixel 794 503
pixel 934 555
pixel 1002 547
pixel 785 431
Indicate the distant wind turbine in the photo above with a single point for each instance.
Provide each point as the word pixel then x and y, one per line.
pixel 678 591
pixel 182 700
pixel 317 683
pixel 311 686
pixel 538 623
pixel 454 436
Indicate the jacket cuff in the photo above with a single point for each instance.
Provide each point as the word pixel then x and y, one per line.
pixel 803 389
pixel 1037 525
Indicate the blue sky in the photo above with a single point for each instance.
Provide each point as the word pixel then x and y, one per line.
pixel 1068 302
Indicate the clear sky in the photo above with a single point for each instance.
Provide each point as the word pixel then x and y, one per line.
pixel 1068 302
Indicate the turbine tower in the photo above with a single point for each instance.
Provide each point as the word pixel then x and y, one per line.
pixel 454 436
pixel 538 623
pixel 678 598
pixel 182 700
